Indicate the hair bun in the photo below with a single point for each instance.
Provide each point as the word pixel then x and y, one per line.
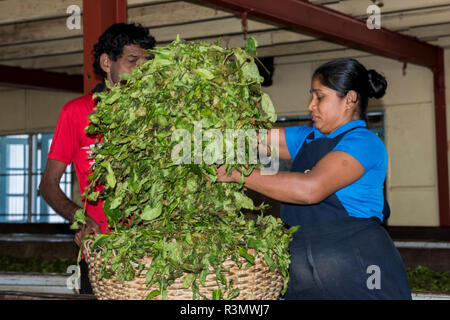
pixel 377 84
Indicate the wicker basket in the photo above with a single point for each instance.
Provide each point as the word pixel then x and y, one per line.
pixel 256 283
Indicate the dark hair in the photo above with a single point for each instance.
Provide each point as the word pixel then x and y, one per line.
pixel 345 74
pixel 116 37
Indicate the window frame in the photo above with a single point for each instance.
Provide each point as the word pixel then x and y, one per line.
pixel 36 210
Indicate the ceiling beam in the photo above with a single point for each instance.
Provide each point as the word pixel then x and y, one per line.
pixel 328 24
pixel 335 26
pixel 162 15
pixel 39 79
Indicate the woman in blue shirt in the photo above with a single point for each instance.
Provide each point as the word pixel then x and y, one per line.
pixel 334 192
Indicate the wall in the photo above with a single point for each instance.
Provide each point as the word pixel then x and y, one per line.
pixel 26 111
pixel 409 115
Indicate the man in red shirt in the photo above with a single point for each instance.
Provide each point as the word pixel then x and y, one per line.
pixel 118 50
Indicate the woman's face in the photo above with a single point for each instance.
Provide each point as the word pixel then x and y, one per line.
pixel 328 110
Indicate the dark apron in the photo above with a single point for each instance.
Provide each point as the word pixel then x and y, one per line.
pixel 335 256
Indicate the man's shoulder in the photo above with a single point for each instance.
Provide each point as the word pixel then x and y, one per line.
pixel 82 102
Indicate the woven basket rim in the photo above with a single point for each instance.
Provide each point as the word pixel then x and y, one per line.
pixel 258 282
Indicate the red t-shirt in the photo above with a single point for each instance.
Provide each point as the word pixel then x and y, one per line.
pixel 71 144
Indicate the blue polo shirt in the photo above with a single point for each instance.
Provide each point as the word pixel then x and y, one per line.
pixel 363 198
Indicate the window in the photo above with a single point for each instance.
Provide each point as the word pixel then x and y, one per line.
pixel 20 176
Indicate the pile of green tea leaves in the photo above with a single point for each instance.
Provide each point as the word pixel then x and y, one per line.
pixel 176 212
pixel 425 279
pixel 34 264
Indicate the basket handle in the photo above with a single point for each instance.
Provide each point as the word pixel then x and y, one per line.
pixel 87 246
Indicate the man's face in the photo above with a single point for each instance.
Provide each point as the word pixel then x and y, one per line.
pixel 132 55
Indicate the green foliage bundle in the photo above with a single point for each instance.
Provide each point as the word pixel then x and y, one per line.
pixel 177 212
pixel 424 279
pixel 34 264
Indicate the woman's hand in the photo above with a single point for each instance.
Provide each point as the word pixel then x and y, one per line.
pixel 223 177
pixel 276 139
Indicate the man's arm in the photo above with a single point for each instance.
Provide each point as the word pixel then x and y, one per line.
pixel 51 191
pixel 55 197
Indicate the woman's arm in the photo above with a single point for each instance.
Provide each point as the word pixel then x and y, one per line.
pixel 274 134
pixel 333 172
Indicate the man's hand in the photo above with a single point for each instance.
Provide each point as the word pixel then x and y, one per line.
pixel 91 227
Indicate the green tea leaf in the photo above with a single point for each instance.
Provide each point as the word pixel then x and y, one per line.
pixel 250 45
pixel 270 262
pixel 217 294
pixel 93 196
pixel 292 230
pixel 117 201
pixel 79 217
pixel 268 107
pixel 113 98
pixel 150 213
pixel 204 73
pixel 99 240
pixel 153 294
pixel 187 281
pixel 243 201
pixel 256 244
pixel 243 253
pixel 110 177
